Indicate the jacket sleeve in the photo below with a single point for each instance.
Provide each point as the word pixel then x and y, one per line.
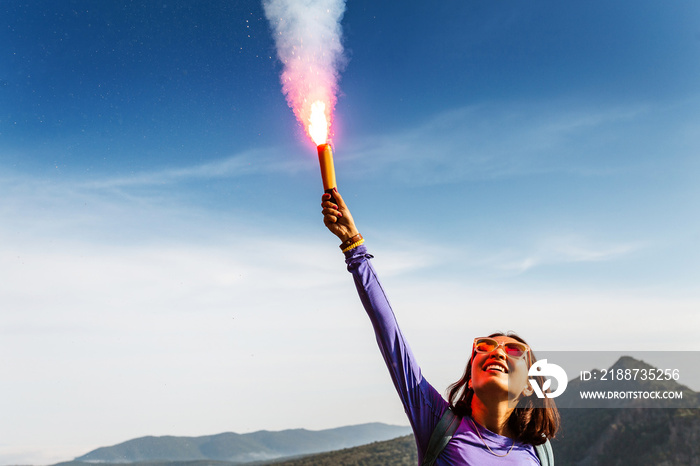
pixel 422 403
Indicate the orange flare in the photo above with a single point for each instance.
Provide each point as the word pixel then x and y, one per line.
pixel 325 159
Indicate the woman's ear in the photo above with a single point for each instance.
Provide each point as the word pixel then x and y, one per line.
pixel 528 391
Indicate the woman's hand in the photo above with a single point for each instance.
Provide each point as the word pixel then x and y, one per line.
pixel 337 218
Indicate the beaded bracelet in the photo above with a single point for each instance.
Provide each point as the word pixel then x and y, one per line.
pixel 352 243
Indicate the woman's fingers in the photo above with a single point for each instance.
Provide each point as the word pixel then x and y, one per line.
pixel 329 221
pixel 329 208
pixel 331 216
pixel 339 199
pixel 336 216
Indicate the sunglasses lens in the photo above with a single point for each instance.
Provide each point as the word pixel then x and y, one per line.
pixel 485 345
pixel 515 350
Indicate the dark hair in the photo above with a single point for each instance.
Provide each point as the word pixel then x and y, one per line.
pixel 533 421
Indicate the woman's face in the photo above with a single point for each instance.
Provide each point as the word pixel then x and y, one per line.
pixel 498 376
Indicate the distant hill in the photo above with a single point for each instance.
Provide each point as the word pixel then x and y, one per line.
pixel 397 452
pixel 621 437
pixel 631 435
pixel 240 448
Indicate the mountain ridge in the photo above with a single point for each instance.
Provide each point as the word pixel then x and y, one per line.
pixel 240 448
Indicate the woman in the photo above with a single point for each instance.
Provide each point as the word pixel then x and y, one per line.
pixel 500 423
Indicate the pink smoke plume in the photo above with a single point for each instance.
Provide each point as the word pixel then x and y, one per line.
pixel 308 40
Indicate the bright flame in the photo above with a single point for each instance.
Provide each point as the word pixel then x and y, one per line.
pixel 307 36
pixel 318 123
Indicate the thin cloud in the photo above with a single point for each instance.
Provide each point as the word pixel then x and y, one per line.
pixel 566 249
pixel 246 163
pixel 486 142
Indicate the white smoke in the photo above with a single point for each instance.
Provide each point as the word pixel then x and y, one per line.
pixel 308 40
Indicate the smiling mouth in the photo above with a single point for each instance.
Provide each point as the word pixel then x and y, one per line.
pixel 496 367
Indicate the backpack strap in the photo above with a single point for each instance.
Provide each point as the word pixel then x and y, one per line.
pixel 545 454
pixel 443 432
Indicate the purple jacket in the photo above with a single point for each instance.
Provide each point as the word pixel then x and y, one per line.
pixel 423 404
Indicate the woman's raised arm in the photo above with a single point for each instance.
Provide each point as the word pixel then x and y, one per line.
pixel 423 404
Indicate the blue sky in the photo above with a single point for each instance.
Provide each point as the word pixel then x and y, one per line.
pixel 527 166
